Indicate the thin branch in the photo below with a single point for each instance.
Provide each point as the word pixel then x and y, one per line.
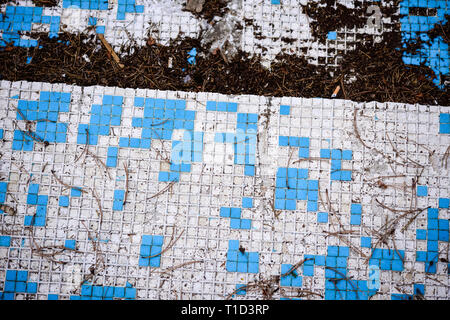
pixel 126 183
pixel 295 267
pixel 65 184
pixel 163 190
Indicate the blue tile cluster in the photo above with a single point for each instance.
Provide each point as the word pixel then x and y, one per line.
pixel 336 258
pixel 52 297
pixel 235 218
pixel 17 282
pixel 292 279
pixel 127 6
pixel 18 19
pixel 5 241
pixel 22 141
pixel 437 230
pixel 236 222
pixel 414 27
pixel 301 142
pixel 45 112
pixel 161 117
pixel 387 259
pixel 275 1
pixel 124 6
pixel 3 190
pixel 221 106
pixel 244 141
pixel 444 123
pixel 90 292
pixel 103 116
pixel 347 289
pixel 111 157
pixel 337 156
pixel 86 4
pixel 119 197
pixel 41 202
pixel 238 261
pixel 165 176
pixel 337 286
pixel 285 110
pixel 2 132
pixel 355 214
pixel 150 246
pixel 245 147
pixel 292 185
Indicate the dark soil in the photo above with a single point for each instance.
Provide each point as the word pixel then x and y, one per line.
pixel 45 3
pixel 381 75
pixel 329 18
pixel 379 71
pixel 6 1
pixel 328 15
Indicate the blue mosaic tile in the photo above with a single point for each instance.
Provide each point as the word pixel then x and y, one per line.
pixel 95 292
pixel 292 185
pixel 433 54
pixel 119 196
pixel 5 241
pixel 16 281
pixel 238 261
pixel 290 280
pixel 3 190
pixel 285 110
pixel 444 123
pixel 102 118
pixel 40 201
pixel 151 247
pixel 19 19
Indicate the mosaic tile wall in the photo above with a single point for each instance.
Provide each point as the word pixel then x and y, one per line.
pixel 111 193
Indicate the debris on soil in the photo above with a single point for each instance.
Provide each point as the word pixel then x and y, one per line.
pixel 330 17
pixel 225 36
pixel 378 69
pixel 111 52
pixel 327 15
